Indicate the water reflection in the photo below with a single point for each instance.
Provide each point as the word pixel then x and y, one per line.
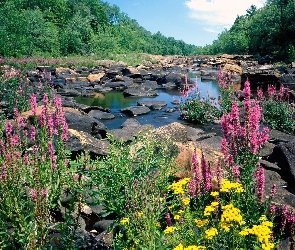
pixel 115 101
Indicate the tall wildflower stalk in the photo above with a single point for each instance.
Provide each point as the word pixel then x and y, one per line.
pixel 32 172
pixel 243 139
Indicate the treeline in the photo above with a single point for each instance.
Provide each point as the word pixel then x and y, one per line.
pixel 67 27
pixel 266 31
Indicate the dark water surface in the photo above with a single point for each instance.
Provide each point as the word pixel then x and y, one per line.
pixel 115 101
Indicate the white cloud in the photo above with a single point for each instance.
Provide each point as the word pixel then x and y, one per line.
pixel 222 13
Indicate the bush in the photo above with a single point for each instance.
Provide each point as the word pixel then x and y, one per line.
pixel 196 109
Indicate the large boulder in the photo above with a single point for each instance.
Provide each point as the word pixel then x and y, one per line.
pixel 80 141
pixel 82 122
pixel 101 115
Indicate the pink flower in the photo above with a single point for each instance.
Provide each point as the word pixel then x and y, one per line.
pixel 33 103
pixel 260 182
pixel 33 195
pixel 273 190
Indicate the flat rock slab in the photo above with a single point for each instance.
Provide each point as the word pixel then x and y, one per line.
pixel 149 104
pixel 136 110
pixel 101 115
pixel 139 92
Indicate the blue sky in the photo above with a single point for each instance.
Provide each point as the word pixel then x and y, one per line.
pixel 195 22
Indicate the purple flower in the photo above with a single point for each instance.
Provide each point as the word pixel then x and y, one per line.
pixel 260 182
pixel 33 195
pixel 33 103
pixel 273 190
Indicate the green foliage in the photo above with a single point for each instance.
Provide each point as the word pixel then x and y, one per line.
pixel 278 112
pixel 141 161
pixel 78 27
pixel 14 92
pixel 259 32
pixel 196 109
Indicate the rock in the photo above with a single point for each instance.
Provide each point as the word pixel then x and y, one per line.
pixel 81 141
pixel 83 122
pixel 136 110
pixel 149 104
pixel 102 225
pixel 169 85
pixel 117 85
pixel 285 155
pixel 95 77
pixel 131 72
pixel 149 85
pixel 98 209
pixel 68 92
pixel 128 134
pixel 276 137
pixel 131 122
pixel 233 69
pixel 101 115
pixel 175 131
pixel 139 92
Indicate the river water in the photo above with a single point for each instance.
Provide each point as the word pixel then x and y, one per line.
pixel 115 101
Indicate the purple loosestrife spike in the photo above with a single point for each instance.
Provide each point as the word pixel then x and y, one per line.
pixel 273 190
pixel 3 173
pixel 33 195
pixel 14 140
pixel 33 103
pixel 9 129
pixel 236 172
pixel 260 182
pixel 32 133
pixel 15 112
pixel 272 209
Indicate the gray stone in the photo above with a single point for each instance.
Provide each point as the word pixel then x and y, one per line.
pixel 101 115
pixel 136 110
pixel 131 122
pixel 151 103
pixel 140 92
pixel 102 225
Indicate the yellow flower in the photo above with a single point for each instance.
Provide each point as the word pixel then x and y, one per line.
pixel 176 217
pixel 210 233
pixel 169 230
pixel 263 218
pixel 201 223
pixel 179 247
pixel 214 194
pixel 180 211
pixel 195 248
pixel 158 224
pixel 124 221
pixel 186 201
pixel 177 187
pixel 139 214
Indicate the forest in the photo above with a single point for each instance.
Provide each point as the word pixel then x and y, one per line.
pixel 76 27
pixel 266 31
pixel 53 28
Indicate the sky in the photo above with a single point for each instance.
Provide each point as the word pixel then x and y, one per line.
pixel 195 22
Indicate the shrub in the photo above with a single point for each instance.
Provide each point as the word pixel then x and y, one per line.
pixel 196 109
pixel 278 112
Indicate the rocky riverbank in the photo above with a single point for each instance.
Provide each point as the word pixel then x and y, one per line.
pixel 88 133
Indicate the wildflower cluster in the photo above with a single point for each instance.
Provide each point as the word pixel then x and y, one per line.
pixel 263 232
pixel 227 186
pixel 278 111
pixel 195 108
pixel 178 187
